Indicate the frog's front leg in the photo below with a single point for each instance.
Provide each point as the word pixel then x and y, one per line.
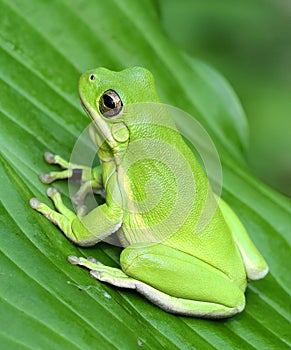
pixel 82 230
pixel 174 281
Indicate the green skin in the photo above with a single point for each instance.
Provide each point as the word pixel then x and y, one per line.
pixel 180 269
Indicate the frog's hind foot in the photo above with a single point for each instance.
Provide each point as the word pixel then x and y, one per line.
pixel 103 273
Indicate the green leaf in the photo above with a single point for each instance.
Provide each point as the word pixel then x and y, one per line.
pixel 45 302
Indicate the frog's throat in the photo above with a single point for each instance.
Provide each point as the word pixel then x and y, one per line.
pixel 102 128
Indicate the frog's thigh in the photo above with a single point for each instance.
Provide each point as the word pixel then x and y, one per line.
pixel 256 266
pixel 180 283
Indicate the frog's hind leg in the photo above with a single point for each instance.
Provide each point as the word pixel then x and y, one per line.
pixel 166 302
pixel 186 307
pixel 185 284
pixel 174 281
pixel 255 265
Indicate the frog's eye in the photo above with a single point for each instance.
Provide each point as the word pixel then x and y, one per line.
pixel 92 77
pixel 110 104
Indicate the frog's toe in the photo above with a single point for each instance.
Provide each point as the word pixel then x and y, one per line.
pixel 52 191
pixel 55 196
pixel 50 214
pixel 93 260
pixel 34 203
pixel 46 178
pixel 90 263
pixel 74 260
pixel 49 158
pixel 95 274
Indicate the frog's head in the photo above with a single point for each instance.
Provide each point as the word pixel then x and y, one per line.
pixel 105 95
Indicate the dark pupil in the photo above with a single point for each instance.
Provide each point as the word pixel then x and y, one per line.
pixel 108 101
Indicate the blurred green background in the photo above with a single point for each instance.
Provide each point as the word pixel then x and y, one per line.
pixel 249 42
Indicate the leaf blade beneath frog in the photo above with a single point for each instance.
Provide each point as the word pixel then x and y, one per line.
pixel 40 64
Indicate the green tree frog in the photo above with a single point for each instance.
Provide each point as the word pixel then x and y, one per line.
pixel 151 208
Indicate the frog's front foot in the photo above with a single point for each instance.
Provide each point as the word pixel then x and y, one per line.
pixel 63 217
pixel 56 175
pixel 90 180
pixel 70 223
pixel 45 178
pixel 55 195
pixel 50 158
